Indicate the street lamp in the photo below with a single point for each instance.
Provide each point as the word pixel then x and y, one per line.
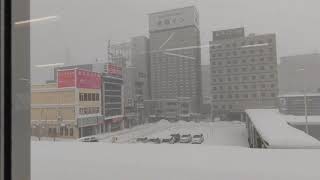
pixel 305 99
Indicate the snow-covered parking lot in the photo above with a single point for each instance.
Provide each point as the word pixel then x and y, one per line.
pixel 215 133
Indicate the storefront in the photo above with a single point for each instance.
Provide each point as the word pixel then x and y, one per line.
pixel 89 126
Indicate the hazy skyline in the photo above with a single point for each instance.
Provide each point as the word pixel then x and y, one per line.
pixel 83 27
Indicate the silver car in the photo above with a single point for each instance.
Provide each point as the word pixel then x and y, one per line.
pixel 197 139
pixel 186 138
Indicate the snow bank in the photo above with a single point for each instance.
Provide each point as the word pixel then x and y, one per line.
pixel 274 129
pixel 97 161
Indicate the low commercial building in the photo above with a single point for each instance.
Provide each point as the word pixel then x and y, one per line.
pixel 70 108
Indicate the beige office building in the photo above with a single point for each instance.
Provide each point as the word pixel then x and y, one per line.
pixel 68 112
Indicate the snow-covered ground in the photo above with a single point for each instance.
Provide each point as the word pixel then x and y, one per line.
pixel 97 161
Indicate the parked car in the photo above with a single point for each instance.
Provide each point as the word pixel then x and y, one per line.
pixel 169 140
pixel 155 140
pixel 186 138
pixel 89 139
pixel 176 138
pixel 197 139
pixel 143 140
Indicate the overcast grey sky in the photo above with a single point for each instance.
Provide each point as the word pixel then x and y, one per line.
pixel 84 26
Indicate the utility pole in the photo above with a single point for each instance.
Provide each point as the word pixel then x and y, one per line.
pixel 305 100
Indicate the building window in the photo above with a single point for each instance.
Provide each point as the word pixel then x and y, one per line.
pixel 221 87
pixel 229 79
pixel 253 86
pixel 254 95
pixel 89 97
pixel 220 80
pixel 263 86
pixel 253 77
pixel 244 78
pixel 230 96
pixel 261 67
pixel 245 86
pixel 236 87
pixel 273 94
pixel 234 53
pixel 61 131
pixel 71 131
pixel 66 132
pixel 261 76
pixel 97 97
pixel 236 95
pixel 236 78
pixel 214 96
pixel 214 88
pixel 235 70
pixel 251 51
pixel 230 88
pixel 253 60
pixel 272 85
pixel 93 96
pixel 230 106
pixel 221 96
pixel 271 76
pixel 244 61
pixel 85 97
pixel 245 95
pixel 263 94
pixel 244 69
pixel 261 51
pixel 261 59
pixel 229 70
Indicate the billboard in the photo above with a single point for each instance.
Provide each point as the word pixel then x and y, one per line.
pixel 87 79
pixel 113 70
pixel 66 78
pixel 228 34
pixel 79 78
pixel 175 18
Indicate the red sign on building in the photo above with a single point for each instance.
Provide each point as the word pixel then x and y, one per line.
pixel 87 79
pixel 79 78
pixel 66 78
pixel 113 70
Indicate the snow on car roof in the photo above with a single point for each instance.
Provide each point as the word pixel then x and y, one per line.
pixel 274 129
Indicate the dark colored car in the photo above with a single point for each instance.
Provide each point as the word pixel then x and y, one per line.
pixel 169 140
pixel 155 140
pixel 176 137
pixel 143 140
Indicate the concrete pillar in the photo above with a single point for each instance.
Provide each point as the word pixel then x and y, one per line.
pixel 109 127
pixel 122 124
pixel 241 117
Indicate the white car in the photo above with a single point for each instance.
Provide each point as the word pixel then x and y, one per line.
pixel 197 139
pixel 186 138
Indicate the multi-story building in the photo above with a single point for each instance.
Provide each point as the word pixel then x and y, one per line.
pixel 112 101
pixel 243 72
pixel 175 58
pixel 70 108
pixel 135 57
pixel 170 109
pixel 299 72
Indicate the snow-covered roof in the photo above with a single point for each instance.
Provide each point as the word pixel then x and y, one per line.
pixel 274 129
